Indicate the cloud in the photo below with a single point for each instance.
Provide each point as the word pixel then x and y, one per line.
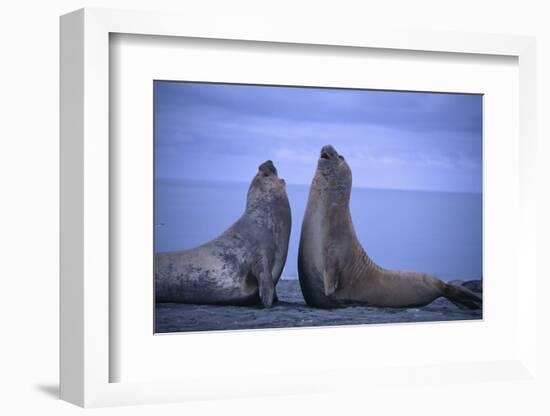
pixel 410 111
pixel 224 131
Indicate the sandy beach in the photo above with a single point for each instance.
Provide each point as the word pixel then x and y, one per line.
pixel 292 311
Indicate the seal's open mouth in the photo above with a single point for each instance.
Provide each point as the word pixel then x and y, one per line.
pixel 328 153
pixel 268 168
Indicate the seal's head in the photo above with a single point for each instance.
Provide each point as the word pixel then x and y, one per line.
pixel 333 172
pixel 266 185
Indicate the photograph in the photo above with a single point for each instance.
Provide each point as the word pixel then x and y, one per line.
pixel 297 206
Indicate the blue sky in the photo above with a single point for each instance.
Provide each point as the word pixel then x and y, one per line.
pixel 391 140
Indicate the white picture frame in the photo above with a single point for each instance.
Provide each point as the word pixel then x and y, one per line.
pixel 85 307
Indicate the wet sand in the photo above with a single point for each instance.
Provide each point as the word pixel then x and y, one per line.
pixel 292 311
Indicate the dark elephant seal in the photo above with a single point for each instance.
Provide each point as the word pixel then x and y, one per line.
pixel 333 267
pixel 241 266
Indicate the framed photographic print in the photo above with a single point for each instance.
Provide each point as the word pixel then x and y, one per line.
pixel 411 179
pixel 241 206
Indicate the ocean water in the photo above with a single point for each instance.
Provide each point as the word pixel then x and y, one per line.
pixel 434 232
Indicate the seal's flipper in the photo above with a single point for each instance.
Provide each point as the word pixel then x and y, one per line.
pixel 462 297
pixel 267 289
pixel 330 272
pixel 330 282
pixel 266 285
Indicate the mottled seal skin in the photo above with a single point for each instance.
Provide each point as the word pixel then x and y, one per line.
pixel 333 267
pixel 243 265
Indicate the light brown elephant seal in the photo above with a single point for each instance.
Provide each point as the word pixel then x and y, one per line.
pixel 333 267
pixel 243 265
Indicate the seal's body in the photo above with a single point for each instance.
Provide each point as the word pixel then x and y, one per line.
pixel 241 266
pixel 333 267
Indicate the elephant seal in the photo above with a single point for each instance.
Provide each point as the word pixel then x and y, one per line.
pixel 334 269
pixel 242 265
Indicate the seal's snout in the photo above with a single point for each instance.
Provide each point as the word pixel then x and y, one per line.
pixel 268 168
pixel 328 152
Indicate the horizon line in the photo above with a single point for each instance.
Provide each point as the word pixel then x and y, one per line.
pixel 225 181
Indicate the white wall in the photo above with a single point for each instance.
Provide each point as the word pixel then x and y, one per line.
pixel 29 208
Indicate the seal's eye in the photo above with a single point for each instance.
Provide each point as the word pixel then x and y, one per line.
pixel 341 157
